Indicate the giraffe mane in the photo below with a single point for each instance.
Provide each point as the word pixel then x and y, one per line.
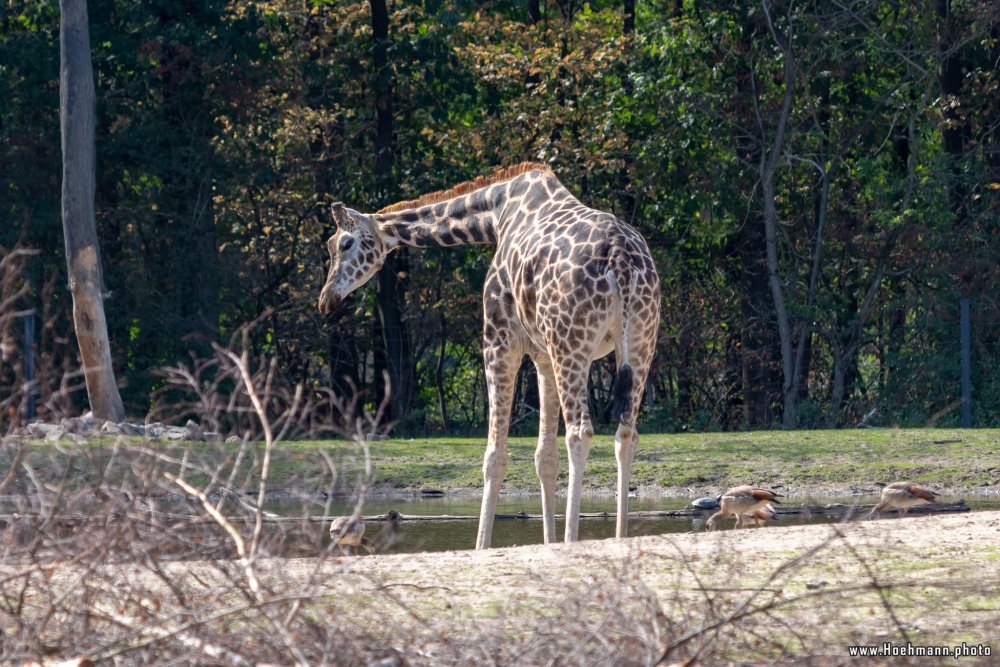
pixel 499 174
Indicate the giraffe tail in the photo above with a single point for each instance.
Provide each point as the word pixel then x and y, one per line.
pixel 621 393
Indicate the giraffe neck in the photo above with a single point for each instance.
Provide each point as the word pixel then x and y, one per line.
pixel 473 218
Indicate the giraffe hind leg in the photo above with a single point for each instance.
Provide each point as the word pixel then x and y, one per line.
pixel 625 445
pixel 627 436
pixel 571 380
pixel 547 452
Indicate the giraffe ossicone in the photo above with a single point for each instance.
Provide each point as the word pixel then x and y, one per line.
pixel 567 285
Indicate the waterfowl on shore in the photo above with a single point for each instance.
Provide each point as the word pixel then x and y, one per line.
pixel 903 496
pixel 348 532
pixel 388 532
pixel 741 500
pixel 760 516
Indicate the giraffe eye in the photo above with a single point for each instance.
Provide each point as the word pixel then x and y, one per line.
pixel 346 243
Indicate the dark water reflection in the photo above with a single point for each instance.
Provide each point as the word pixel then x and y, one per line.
pixel 417 535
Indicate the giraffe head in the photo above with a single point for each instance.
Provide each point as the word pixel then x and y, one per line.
pixel 357 252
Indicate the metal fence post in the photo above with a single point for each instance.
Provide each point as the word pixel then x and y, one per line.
pixel 29 363
pixel 966 367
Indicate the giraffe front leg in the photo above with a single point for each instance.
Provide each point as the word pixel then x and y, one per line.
pixel 501 369
pixel 547 453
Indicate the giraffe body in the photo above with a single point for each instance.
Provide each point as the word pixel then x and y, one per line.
pixel 567 285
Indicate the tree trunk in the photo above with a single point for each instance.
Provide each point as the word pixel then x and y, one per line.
pixel 759 343
pixel 442 349
pixel 992 147
pixel 382 86
pixel 950 77
pixel 626 188
pixel 838 384
pixel 395 336
pixel 390 290
pixel 534 11
pixel 768 170
pixel 439 374
pixel 76 111
pixel 757 349
pixel 347 367
pixel 954 132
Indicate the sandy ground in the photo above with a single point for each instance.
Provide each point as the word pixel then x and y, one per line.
pixel 793 592
pixel 826 580
pixel 952 548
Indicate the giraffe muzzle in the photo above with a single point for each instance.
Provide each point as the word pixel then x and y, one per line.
pixel 328 302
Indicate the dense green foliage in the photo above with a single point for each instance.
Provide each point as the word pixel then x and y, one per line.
pixel 818 183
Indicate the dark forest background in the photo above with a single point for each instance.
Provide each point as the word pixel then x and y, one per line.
pixel 818 181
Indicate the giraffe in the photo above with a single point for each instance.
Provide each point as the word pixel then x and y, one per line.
pixel 567 285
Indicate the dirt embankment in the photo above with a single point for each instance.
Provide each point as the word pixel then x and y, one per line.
pixel 779 595
pixel 927 580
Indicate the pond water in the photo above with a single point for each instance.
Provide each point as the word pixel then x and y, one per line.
pixel 425 535
pixel 307 538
